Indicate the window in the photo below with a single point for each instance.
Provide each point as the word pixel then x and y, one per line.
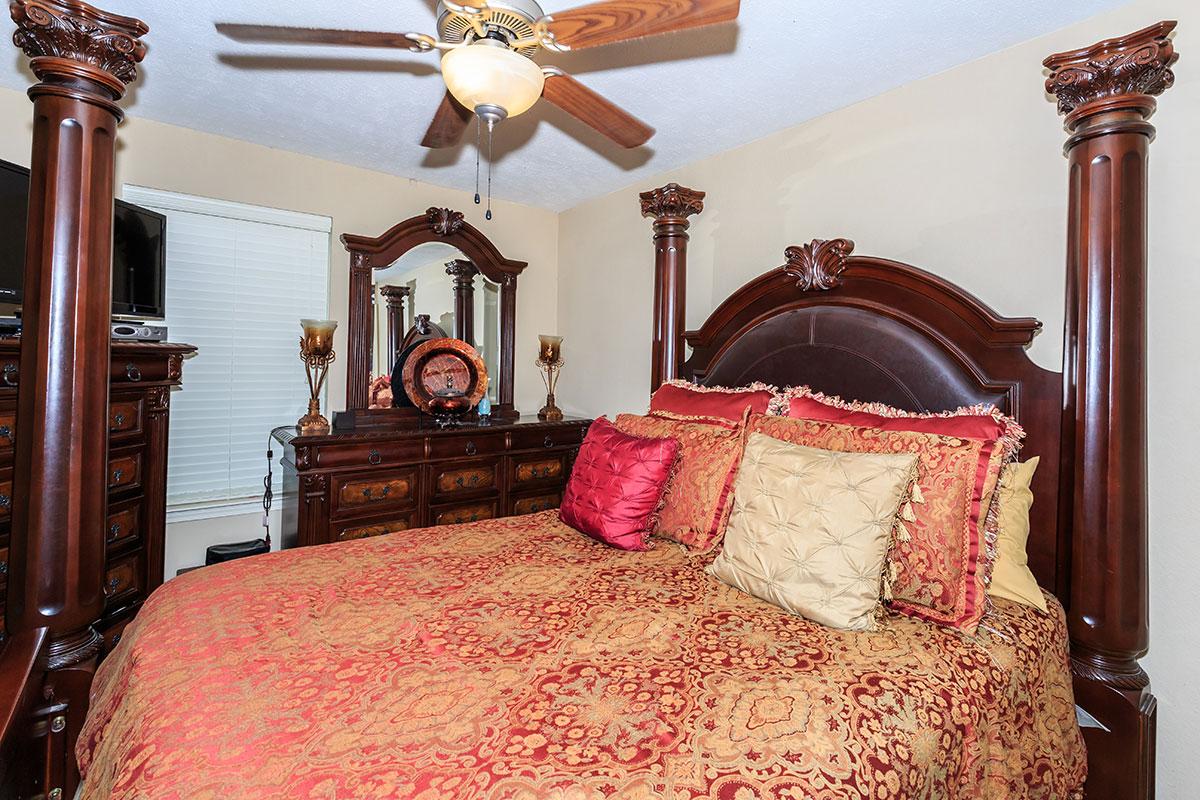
pixel 239 278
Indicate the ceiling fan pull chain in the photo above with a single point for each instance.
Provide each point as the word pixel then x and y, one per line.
pixel 491 128
pixel 476 160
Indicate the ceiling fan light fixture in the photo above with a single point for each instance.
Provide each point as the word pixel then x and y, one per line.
pixel 486 73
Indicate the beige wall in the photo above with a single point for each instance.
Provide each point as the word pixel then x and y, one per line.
pixel 960 173
pixel 359 201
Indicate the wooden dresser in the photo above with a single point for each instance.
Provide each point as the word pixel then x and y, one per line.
pixel 142 375
pixel 349 485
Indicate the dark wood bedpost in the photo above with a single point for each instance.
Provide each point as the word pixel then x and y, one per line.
pixel 1106 91
pixel 670 206
pixel 464 273
pixel 83 58
pixel 394 297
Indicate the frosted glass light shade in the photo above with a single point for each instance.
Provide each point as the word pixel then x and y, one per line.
pixel 483 74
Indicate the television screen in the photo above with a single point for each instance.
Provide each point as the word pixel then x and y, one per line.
pixel 139 250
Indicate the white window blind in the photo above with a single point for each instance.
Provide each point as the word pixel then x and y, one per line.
pixel 239 279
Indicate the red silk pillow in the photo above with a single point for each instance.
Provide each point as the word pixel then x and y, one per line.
pixel 617 485
pixel 687 399
pixel 965 422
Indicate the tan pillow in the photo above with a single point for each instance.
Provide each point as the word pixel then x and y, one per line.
pixel 810 528
pixel 1011 577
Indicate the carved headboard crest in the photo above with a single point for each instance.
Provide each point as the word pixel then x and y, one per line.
pixel 818 265
pixel 444 221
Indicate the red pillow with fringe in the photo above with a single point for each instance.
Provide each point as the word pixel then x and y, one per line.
pixel 617 485
pixel 689 400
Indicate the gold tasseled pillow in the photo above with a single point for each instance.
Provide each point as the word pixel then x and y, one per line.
pixel 1011 577
pixel 811 528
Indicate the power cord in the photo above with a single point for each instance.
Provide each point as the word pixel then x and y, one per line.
pixel 268 494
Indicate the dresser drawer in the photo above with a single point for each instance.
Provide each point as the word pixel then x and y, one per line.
pixel 125 416
pixel 478 444
pixel 135 368
pixel 366 493
pixel 124 525
pixel 463 512
pixel 113 634
pixel 6 498
pixel 546 438
pixel 124 580
pixel 124 470
pixel 531 503
pixel 348 531
pixel 461 478
pixel 381 454
pixel 537 469
pixel 8 432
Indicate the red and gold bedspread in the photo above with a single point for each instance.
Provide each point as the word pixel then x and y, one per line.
pixel 518 659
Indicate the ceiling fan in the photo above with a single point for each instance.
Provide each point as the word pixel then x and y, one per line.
pixel 487 62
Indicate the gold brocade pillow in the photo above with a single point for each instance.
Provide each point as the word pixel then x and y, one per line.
pixel 1011 577
pixel 699 495
pixel 810 528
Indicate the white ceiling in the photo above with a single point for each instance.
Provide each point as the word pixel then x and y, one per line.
pixel 783 62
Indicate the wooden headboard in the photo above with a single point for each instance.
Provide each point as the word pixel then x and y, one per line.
pixel 871 329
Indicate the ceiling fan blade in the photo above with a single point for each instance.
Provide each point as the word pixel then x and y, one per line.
pixel 448 124
pixel 590 108
pixel 278 33
pixel 620 20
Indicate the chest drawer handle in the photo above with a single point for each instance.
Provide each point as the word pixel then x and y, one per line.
pixel 111 586
pixel 117 475
pixel 471 449
pixel 548 441
pixel 133 373
pixel 118 420
pixel 367 493
pixel 114 531
pixel 116 640
pixel 5 501
pixel 6 433
pixel 373 458
pixel 3 567
pixel 10 375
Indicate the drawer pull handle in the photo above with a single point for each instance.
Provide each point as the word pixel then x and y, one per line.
pixel 6 433
pixel 114 531
pixel 111 586
pixel 118 420
pixel 3 567
pixel 367 493
pixel 10 375
pixel 117 475
pixel 373 458
pixel 471 449
pixel 133 373
pixel 5 501
pixel 116 640
pixel 548 441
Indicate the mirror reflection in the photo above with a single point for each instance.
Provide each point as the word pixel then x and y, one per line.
pixel 435 290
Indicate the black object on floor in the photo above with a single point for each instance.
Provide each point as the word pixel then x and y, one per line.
pixel 219 553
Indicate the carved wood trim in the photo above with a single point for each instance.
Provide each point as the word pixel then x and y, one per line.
pixel 818 264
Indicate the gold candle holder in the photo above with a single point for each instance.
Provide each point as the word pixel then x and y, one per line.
pixel 550 361
pixel 316 351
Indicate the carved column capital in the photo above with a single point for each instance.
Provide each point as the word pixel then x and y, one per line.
pixel 395 294
pixel 462 271
pixel 671 203
pixel 1115 74
pixel 819 264
pixel 69 39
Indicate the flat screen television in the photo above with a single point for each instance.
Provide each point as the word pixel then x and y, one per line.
pixel 139 250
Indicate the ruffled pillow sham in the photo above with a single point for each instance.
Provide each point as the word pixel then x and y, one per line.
pixel 690 400
pixel 699 496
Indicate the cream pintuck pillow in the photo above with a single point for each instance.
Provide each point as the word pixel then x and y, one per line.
pixel 810 528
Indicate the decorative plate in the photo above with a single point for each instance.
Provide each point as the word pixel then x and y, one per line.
pixel 441 368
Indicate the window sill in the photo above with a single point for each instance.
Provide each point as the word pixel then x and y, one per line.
pixel 189 512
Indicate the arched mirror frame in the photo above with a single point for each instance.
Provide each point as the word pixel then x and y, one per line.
pixel 368 254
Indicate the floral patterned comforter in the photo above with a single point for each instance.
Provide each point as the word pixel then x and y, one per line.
pixel 516 658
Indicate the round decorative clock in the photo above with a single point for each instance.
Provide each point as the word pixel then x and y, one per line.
pixel 445 378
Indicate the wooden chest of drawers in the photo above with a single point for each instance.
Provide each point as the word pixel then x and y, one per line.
pixel 349 485
pixel 141 378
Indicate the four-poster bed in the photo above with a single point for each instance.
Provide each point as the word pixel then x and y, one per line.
pixel 856 325
pixel 865 327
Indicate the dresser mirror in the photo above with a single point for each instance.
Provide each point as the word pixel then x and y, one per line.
pixel 429 276
pixel 435 281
